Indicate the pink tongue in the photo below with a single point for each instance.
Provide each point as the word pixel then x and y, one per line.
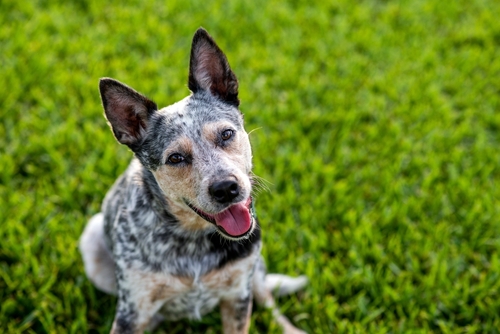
pixel 235 220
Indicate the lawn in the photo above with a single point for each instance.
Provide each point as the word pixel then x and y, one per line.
pixel 376 124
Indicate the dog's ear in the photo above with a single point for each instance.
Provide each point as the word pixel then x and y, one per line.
pixel 127 111
pixel 209 69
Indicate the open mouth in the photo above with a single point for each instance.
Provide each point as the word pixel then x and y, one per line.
pixel 234 222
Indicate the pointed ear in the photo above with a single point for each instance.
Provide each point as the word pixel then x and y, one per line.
pixel 209 69
pixel 127 111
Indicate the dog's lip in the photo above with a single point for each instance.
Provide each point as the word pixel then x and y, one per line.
pixel 208 217
pixel 211 218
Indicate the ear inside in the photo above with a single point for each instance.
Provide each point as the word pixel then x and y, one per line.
pixel 209 69
pixel 127 111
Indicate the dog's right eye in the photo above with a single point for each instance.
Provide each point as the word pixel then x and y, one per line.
pixel 175 158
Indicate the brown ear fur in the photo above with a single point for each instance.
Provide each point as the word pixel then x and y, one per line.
pixel 209 69
pixel 126 110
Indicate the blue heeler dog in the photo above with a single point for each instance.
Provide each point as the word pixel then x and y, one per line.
pixel 177 234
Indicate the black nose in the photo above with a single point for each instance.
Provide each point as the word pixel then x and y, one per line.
pixel 224 191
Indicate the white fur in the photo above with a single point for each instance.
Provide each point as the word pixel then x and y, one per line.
pixel 282 285
pixel 99 265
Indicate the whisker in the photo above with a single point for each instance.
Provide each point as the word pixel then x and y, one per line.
pixel 259 184
pixel 249 132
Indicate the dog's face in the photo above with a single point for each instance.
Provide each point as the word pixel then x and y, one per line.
pixel 197 149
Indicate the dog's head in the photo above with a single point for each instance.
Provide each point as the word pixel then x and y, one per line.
pixel 197 149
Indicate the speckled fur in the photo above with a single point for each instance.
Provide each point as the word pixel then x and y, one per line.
pixel 148 246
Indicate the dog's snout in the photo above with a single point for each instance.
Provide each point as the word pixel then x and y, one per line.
pixel 224 191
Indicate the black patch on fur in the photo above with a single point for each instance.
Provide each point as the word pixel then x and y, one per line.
pixel 234 250
pixel 241 311
pixel 126 316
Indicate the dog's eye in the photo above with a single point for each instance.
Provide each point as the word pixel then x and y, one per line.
pixel 175 158
pixel 227 134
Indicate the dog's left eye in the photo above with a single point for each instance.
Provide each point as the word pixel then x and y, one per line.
pixel 226 134
pixel 175 158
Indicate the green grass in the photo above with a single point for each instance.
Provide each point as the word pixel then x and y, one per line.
pixel 378 130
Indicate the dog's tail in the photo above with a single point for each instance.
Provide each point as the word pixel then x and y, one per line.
pixel 282 285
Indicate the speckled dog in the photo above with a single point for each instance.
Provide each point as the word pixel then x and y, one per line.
pixel 178 235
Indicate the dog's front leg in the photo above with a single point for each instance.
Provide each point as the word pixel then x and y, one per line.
pixel 136 307
pixel 133 314
pixel 235 314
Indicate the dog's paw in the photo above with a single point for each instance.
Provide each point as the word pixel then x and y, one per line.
pixel 287 326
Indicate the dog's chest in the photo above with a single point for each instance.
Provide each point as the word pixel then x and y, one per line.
pixel 192 297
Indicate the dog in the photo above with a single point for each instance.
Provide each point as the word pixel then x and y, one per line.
pixel 178 234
